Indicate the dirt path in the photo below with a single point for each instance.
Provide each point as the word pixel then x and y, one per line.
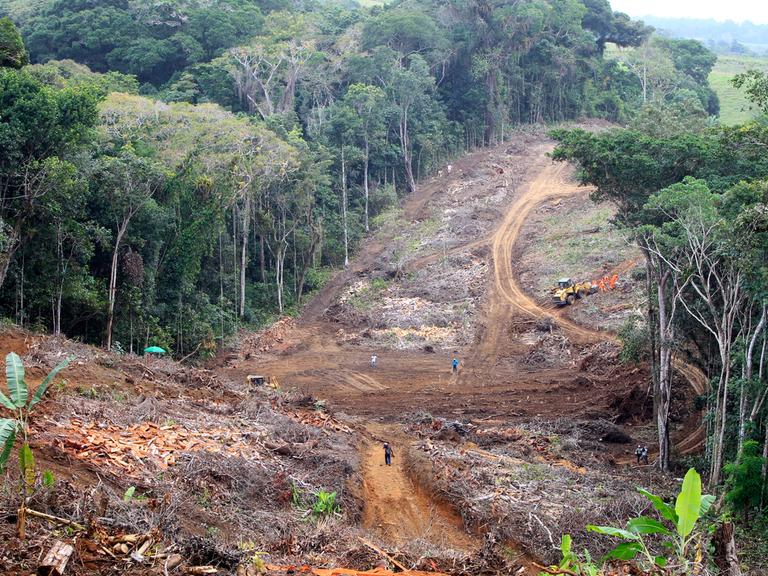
pixel 396 507
pixel 493 379
pixel 508 297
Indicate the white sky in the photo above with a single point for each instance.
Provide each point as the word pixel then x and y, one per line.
pixel 737 10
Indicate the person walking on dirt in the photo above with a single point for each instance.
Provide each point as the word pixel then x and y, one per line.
pixel 638 453
pixel 387 454
pixel 373 360
pixel 455 365
pixel 644 455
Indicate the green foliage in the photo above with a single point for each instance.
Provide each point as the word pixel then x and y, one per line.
pixel 70 74
pixel 13 54
pixel 689 507
pixel 325 504
pixel 17 403
pixel 735 107
pixel 178 220
pixel 49 480
pixel 572 563
pixel 128 496
pixel 634 341
pixel 149 40
pixel 744 482
pixel 27 467
pixel 627 166
pixel 755 84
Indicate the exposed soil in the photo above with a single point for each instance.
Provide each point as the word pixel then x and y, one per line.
pixel 396 506
pixel 521 359
pixel 487 460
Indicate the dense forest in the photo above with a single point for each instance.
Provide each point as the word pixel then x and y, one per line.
pixel 174 169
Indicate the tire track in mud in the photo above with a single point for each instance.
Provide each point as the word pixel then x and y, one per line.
pixel 398 508
pixel 509 298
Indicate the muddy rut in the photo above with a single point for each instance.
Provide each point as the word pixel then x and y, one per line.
pixel 399 508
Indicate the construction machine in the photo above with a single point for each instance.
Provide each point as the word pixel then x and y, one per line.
pixel 567 291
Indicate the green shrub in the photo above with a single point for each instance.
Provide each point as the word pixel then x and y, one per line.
pixel 671 536
pixel 744 483
pixel 19 403
pixel 325 504
pixel 635 345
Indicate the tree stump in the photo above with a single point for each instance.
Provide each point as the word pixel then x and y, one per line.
pixel 725 550
pixel 55 562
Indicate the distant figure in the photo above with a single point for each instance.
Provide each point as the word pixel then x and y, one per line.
pixel 387 454
pixel 449 168
pixel 638 453
pixel 644 455
pixel 455 364
pixel 373 360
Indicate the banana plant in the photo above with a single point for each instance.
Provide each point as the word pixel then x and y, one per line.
pixel 690 505
pixel 19 403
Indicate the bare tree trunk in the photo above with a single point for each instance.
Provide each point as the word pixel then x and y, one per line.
pixel 344 207
pixel 113 282
pixel 749 371
pixel 279 260
pixel 236 300
pixel 764 471
pixel 405 145
pixel 666 340
pixel 262 263
pixel 653 341
pixel 726 558
pixel 22 305
pixel 7 257
pixel 742 414
pixel 720 425
pixel 221 283
pixel 59 283
pixel 365 181
pixel 243 267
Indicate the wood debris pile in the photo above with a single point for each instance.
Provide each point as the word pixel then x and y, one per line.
pixel 131 448
pixel 319 420
pixel 285 570
pixel 499 434
pixel 264 341
pixel 140 549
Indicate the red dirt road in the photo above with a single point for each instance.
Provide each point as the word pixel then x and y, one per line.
pixel 494 380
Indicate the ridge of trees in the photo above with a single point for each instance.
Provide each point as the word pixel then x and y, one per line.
pixel 203 163
pixel 695 203
pixel 174 207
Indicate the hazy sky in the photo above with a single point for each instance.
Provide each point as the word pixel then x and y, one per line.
pixel 738 10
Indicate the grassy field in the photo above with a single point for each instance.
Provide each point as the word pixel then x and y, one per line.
pixel 734 108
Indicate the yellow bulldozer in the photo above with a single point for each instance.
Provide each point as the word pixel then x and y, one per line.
pixel 567 291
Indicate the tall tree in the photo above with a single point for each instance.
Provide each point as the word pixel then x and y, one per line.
pixel 126 184
pixel 13 54
pixel 37 125
pixel 368 102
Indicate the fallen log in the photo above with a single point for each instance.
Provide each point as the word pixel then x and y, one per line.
pixel 381 552
pixel 284 449
pixel 55 519
pixel 201 570
pixel 55 562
